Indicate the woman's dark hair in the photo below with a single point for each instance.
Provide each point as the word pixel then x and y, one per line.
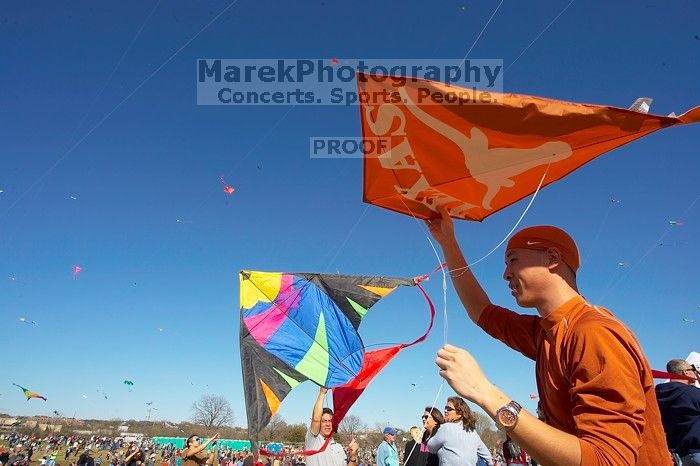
pixel 462 408
pixel 437 417
pixel 436 414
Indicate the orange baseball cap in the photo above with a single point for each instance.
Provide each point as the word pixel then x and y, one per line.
pixel 542 237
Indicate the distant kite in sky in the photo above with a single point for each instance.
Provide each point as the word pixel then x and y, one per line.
pixel 74 198
pixel 227 189
pixel 533 396
pixel 149 403
pixel 29 394
pixel 622 264
pixel 304 326
pixel 129 384
pixel 615 201
pixel 84 396
pixel 676 223
pixel 76 271
pixel 688 321
pixel 434 149
pixel 56 413
pixel 22 319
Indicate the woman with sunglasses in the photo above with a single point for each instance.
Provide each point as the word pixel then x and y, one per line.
pixel 193 454
pixel 456 443
pixel 432 420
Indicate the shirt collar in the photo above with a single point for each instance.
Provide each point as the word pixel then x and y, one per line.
pixel 550 322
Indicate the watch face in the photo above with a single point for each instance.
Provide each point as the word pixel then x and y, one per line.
pixel 506 418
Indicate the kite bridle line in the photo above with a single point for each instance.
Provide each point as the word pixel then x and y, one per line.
pixel 522 216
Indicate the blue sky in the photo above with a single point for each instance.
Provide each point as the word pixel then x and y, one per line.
pixel 147 155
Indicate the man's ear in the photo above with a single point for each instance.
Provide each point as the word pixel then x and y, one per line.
pixel 553 258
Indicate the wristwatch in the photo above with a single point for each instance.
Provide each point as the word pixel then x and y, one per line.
pixel 507 415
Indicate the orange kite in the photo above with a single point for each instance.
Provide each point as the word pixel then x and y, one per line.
pixel 426 146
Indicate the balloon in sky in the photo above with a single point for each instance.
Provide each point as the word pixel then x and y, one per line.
pixel 475 160
pixel 29 394
pixel 304 326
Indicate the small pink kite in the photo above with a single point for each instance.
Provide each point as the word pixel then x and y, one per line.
pixel 533 396
pixel 334 61
pixel 76 271
pixel 227 189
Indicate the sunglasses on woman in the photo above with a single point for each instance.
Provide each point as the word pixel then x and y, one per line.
pixel 424 417
pixel 449 408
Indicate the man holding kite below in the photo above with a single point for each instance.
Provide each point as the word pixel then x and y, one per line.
pixel 594 382
pixel 320 432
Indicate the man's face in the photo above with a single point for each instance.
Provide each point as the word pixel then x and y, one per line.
pixel 326 424
pixel 688 371
pixel 389 438
pixel 527 275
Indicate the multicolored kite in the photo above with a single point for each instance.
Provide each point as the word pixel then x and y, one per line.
pixel 30 394
pixel 430 145
pixel 303 326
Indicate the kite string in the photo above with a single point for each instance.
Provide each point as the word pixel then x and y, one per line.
pixel 116 67
pixel 615 283
pixel 116 107
pixel 584 260
pixel 480 33
pixel 347 237
pixel 538 36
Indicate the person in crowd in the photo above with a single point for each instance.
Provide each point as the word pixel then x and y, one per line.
pixel 387 452
pixel 412 453
pixel 513 454
pixel 456 442
pixel 320 434
pixel 193 454
pixel 595 384
pixel 679 401
pixel 432 419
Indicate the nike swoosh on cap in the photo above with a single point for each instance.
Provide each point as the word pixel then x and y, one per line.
pixel 530 243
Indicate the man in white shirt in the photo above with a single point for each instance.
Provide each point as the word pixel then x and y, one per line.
pixel 321 431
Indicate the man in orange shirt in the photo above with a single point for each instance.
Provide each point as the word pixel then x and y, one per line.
pixel 595 384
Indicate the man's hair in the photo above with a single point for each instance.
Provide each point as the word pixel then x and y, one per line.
pixel 676 366
pixel 327 411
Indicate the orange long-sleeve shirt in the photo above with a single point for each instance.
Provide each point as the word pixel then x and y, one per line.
pixel 593 379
